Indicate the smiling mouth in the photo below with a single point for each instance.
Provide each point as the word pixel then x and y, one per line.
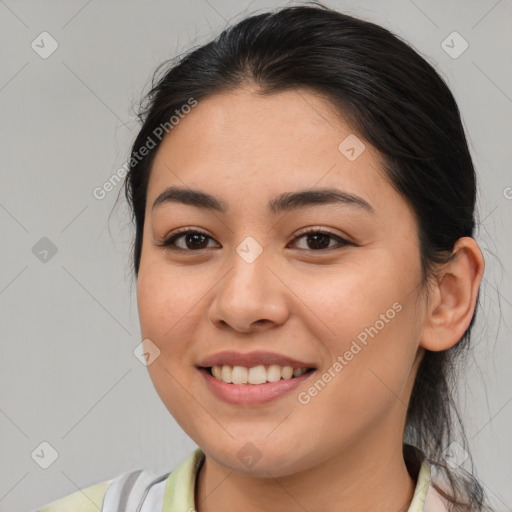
pixel 255 375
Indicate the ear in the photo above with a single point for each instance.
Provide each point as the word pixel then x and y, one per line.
pixel 452 297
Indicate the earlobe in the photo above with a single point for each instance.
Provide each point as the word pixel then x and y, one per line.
pixel 452 300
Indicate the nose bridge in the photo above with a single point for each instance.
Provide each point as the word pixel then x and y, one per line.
pixel 249 292
pixel 248 277
pixel 249 250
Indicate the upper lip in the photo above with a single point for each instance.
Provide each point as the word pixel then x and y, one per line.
pixel 250 359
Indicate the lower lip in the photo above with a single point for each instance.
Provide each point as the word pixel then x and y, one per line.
pixel 252 394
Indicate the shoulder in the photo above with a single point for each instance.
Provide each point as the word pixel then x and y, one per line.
pixel 426 498
pixel 125 492
pixel 85 500
pixel 137 490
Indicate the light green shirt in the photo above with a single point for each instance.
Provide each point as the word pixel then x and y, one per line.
pixel 180 490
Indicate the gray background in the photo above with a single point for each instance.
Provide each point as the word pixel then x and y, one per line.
pixel 69 323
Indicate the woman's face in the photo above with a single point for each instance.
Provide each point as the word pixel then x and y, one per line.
pixel 251 290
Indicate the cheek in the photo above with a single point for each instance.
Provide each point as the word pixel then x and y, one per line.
pixel 348 299
pixel 369 323
pixel 366 380
pixel 165 313
pixel 168 301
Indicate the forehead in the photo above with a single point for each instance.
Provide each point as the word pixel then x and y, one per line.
pixel 263 145
pixel 281 122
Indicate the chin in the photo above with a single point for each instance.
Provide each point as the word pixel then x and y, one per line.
pixel 256 456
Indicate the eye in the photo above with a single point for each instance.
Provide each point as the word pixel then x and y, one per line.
pixel 194 240
pixel 319 240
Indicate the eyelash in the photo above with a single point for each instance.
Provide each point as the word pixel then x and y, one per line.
pixel 168 243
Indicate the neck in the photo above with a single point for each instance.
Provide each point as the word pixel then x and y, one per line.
pixel 372 478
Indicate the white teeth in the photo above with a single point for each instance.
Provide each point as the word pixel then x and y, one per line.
pixel 287 372
pixel 274 373
pixel 226 372
pixel 256 374
pixel 239 375
pixel 298 372
pixel 217 372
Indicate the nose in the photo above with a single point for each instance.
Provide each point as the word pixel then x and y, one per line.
pixel 251 297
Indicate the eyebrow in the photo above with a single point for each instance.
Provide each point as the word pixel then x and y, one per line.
pixel 284 202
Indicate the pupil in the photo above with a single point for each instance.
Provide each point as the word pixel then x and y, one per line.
pixel 195 237
pixel 316 243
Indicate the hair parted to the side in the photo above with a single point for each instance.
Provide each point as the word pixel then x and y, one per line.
pixel 393 98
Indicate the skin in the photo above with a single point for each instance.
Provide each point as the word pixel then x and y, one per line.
pixel 343 450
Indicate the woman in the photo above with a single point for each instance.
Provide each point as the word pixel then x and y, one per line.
pixel 307 277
